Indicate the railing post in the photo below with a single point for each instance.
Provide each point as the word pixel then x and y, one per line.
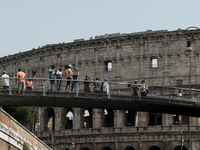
pixel 198 96
pixel 10 93
pixel 108 90
pixel 139 94
pixel 43 87
pixel 169 95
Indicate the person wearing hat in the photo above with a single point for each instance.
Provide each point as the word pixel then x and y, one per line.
pixel 68 74
pixel 106 86
pixel 52 76
pixel 6 80
pixel 75 83
pixel 134 88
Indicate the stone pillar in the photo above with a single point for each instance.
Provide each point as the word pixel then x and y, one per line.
pixel 143 119
pixel 57 119
pixel 119 118
pixel 77 118
pixel 167 119
pixel 194 121
pixel 97 118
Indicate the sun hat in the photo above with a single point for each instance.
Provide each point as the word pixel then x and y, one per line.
pixel 76 68
pixel 70 66
pixel 105 79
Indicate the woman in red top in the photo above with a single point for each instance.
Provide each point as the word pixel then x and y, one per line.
pixel 29 84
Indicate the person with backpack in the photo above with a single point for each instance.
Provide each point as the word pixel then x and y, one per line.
pixel 97 86
pixel 134 88
pixel 144 88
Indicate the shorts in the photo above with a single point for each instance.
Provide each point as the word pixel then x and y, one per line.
pixel 52 80
pixel 69 82
pixel 5 87
pixel 21 85
pixel 29 88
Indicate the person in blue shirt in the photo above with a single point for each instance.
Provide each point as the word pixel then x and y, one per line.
pixel 52 76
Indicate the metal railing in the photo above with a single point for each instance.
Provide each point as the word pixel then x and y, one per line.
pixel 87 88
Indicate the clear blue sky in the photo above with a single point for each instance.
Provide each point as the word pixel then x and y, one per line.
pixel 27 24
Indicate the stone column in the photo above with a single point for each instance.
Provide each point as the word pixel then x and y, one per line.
pixel 194 121
pixel 119 118
pixel 143 119
pixel 57 119
pixel 77 118
pixel 167 119
pixel 97 118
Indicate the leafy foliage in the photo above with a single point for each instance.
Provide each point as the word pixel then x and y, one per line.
pixel 25 146
pixel 23 114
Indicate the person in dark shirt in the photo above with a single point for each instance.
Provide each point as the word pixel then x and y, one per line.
pixel 134 88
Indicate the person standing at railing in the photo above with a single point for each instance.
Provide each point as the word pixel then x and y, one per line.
pixel 59 75
pixel 29 84
pixel 21 82
pixel 106 86
pixel 75 83
pixel 6 80
pixel 52 76
pixel 87 84
pixel 144 88
pixel 134 88
pixel 68 74
pixel 97 86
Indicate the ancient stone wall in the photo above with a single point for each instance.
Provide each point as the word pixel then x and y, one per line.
pixel 13 135
pixel 130 54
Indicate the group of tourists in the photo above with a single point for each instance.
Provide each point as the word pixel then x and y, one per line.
pixel 135 88
pixel 22 85
pixel 72 84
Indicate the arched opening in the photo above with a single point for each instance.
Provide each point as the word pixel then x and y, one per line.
pixel 154 148
pixel 130 118
pixel 69 119
pixel 106 148
pixel 177 119
pixel 88 118
pixel 108 118
pixel 179 148
pixel 49 119
pixel 129 148
pixel 155 119
pixel 84 148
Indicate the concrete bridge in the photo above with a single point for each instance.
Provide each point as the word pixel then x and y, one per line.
pixel 157 104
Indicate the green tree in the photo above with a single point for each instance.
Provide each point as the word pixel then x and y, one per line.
pixel 23 114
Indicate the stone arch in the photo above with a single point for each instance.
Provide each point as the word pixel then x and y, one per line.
pixel 84 148
pixel 68 118
pixel 87 118
pixel 129 148
pixel 179 148
pixel 154 148
pixel 155 119
pixel 130 118
pixel 49 119
pixel 106 148
pixel 108 118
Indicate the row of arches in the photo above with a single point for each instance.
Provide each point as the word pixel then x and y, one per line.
pixel 132 148
pixel 107 118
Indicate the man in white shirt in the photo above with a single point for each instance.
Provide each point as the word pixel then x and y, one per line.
pixel 5 79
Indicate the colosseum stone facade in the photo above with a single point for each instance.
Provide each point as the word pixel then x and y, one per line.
pixel 131 56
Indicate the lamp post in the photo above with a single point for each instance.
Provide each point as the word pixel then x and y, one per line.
pixel 190 36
